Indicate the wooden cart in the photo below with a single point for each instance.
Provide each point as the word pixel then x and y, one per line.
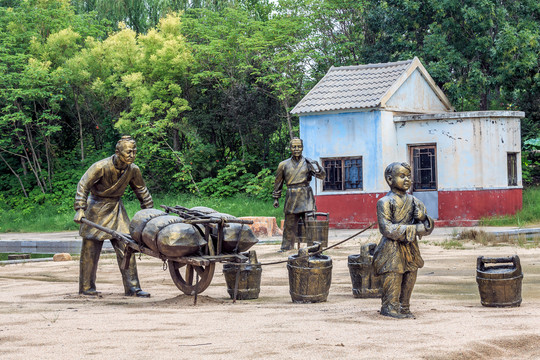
pixel 191 274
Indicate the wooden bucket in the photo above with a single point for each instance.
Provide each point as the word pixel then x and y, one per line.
pixel 317 230
pixel 499 285
pixel 310 276
pixel 249 278
pixel 365 283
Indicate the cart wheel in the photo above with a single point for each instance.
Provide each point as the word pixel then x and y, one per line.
pixel 187 283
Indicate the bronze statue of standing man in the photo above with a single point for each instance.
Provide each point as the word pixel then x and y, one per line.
pixel 296 172
pixel 402 220
pixel 99 199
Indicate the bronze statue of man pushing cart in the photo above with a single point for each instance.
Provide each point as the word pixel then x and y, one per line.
pixel 99 200
pixel 193 240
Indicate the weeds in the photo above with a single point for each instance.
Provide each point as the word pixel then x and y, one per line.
pixel 489 239
pixel 450 244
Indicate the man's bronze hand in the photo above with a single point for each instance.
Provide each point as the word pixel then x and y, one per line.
pixel 78 216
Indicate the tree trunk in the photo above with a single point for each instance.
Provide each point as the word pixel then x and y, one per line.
pixel 289 123
pixel 36 168
pixel 484 100
pixel 243 144
pixel 176 140
pixel 16 175
pixel 76 98
pixel 23 165
pixel 48 154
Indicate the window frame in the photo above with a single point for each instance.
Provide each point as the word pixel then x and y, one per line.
pixel 343 180
pixel 514 168
pixel 411 148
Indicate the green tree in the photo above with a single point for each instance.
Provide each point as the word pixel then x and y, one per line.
pixel 30 100
pixel 232 111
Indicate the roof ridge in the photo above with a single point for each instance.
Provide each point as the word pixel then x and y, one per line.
pixel 359 86
pixel 366 66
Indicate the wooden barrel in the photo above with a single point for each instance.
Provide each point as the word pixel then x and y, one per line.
pixel 365 283
pixel 317 230
pixel 310 276
pixel 499 285
pixel 249 278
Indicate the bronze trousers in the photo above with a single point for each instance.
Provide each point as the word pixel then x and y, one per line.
pixel 294 227
pixel 90 251
pixel 397 290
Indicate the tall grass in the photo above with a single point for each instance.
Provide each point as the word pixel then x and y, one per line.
pixel 239 205
pixel 50 218
pixel 528 215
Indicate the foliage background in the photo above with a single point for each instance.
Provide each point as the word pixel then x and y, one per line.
pixel 206 87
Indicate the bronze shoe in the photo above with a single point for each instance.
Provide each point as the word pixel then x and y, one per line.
pixel 90 292
pixel 408 314
pixel 137 292
pixel 391 312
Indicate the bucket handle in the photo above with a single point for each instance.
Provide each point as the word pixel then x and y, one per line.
pixel 368 249
pixel 313 214
pixel 482 261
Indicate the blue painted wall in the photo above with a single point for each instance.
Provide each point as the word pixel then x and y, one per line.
pixel 346 134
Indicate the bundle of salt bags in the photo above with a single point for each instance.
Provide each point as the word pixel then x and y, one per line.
pixel 203 209
pixel 166 234
pixel 137 224
pixel 236 236
pixel 219 216
pixel 234 233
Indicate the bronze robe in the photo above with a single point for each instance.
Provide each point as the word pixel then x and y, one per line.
pixel 99 193
pixel 297 176
pixel 398 249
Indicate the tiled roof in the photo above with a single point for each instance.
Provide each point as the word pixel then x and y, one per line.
pixel 352 87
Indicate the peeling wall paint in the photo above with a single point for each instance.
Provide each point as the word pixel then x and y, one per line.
pixel 347 134
pixel 472 151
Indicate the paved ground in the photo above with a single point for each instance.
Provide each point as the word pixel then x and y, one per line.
pixel 73 236
pixel 43 317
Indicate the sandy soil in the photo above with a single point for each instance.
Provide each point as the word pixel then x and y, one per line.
pixel 43 317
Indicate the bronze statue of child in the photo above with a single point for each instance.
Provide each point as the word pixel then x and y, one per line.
pixel 402 220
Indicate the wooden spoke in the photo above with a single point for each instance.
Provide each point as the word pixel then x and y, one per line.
pixel 187 283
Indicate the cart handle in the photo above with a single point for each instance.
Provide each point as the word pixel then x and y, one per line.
pixel 115 234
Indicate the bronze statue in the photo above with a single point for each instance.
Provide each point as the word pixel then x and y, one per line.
pixel 296 172
pixel 402 220
pixel 99 199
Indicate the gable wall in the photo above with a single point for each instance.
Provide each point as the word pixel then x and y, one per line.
pixel 415 95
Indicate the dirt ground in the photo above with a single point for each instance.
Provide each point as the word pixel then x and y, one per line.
pixel 43 317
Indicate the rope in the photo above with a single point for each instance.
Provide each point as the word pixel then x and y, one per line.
pixel 313 253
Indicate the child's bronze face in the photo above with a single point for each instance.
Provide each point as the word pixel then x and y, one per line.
pixel 400 179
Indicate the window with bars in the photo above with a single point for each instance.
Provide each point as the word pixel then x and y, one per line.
pixel 343 173
pixel 512 169
pixel 424 167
